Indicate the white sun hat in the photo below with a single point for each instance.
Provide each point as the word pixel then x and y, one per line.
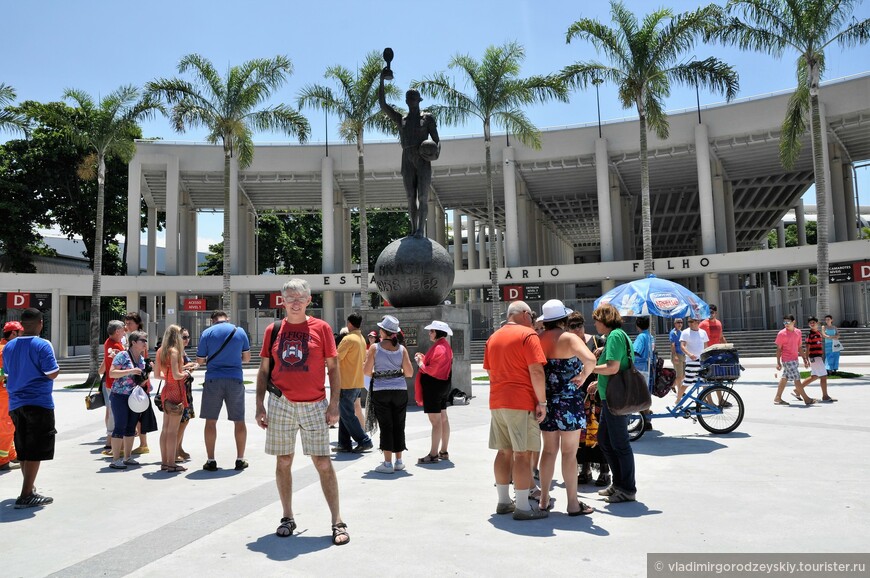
pixel 439 326
pixel 554 309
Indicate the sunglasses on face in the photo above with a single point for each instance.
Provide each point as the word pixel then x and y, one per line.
pixel 575 326
pixel 786 321
pixel 185 336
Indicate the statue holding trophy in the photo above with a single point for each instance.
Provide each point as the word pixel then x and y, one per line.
pixel 418 135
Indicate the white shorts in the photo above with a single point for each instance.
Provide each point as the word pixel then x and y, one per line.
pixel 817 367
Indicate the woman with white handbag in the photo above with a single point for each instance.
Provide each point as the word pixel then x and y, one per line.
pixel 129 371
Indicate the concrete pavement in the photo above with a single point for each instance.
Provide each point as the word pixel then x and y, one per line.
pixel 790 479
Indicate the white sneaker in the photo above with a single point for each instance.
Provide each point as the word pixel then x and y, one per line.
pixel 399 466
pixel 385 469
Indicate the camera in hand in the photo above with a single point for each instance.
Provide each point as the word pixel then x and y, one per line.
pixel 140 379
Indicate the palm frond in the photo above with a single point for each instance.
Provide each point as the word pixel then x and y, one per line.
pixel 516 123
pixel 794 125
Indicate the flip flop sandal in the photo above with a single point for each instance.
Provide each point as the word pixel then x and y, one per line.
pixel 338 531
pixel 286 527
pixel 585 510
pixel 811 402
pixel 795 395
pixel 781 402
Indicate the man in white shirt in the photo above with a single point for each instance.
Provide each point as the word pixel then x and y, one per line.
pixel 693 341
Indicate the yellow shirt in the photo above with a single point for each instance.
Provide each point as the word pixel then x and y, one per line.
pixel 351 356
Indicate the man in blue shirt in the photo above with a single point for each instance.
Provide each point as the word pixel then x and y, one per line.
pixel 643 348
pixel 31 367
pixel 223 348
pixel 678 357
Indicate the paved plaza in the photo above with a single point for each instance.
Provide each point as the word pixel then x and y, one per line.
pixel 790 479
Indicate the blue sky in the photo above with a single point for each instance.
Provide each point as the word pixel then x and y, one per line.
pixel 97 46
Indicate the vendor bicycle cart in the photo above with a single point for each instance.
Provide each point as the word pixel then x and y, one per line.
pixel 711 401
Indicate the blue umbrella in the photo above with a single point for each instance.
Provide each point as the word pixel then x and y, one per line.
pixel 654 296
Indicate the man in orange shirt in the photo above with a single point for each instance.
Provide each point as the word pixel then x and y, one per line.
pixel 11 330
pixel 518 403
pixel 713 327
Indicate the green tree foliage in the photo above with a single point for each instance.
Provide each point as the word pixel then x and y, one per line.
pixel 495 94
pixel 384 228
pixel 55 177
pixel 645 59
pixel 805 27
pixel 10 120
pixel 229 107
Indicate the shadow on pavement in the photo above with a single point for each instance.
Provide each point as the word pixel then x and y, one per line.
pixel 548 526
pixel 284 549
pixel 661 445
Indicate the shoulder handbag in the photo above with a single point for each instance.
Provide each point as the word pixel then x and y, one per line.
pixel 371 426
pixel 836 345
pixel 627 391
pixel 95 400
pixel 158 400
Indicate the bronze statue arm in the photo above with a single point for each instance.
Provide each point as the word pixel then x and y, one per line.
pixel 386 108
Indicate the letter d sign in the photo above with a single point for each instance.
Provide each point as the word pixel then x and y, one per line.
pixel 18 300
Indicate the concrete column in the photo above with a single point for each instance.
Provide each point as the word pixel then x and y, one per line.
pixel 192 233
pixel 234 216
pixel 781 276
pixel 605 218
pixel 432 217
pixel 627 214
pixel 172 194
pixel 512 240
pixel 540 243
pixel 499 247
pixel 151 249
pixel 522 231
pixel 482 253
pixel 838 196
pixel 472 254
pixel 151 315
pixel 58 334
pixel 132 300
pixel 182 235
pixel 457 252
pixel 327 222
pixel 851 212
pixel 134 214
pixel 172 307
pixel 720 213
pixel 616 218
pixel 705 189
pixel 730 230
pixel 251 237
pixel 531 233
pixel 800 223
pixel 61 341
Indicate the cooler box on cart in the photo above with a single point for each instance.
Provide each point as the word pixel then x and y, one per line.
pixel 720 362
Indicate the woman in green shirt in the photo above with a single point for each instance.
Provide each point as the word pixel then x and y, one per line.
pixel 613 429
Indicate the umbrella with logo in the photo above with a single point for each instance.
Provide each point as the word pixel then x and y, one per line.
pixel 654 296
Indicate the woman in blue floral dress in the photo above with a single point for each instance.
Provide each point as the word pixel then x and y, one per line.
pixel 569 363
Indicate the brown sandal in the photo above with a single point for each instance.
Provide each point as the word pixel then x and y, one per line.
pixel 338 531
pixel 429 459
pixel 286 527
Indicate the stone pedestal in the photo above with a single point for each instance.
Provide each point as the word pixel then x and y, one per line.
pixel 412 320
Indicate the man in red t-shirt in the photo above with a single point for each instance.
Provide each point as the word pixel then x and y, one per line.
pixel 301 356
pixel 713 327
pixel 514 359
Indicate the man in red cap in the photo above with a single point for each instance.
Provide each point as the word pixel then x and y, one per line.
pixel 11 330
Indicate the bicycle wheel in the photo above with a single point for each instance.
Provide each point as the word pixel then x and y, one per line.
pixel 635 426
pixel 726 413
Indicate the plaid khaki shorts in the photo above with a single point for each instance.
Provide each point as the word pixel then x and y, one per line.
pixel 286 418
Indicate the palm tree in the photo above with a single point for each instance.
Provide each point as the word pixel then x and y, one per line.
pixel 644 60
pixel 356 104
pixel 228 108
pixel 107 129
pixel 807 27
pixel 496 95
pixel 10 120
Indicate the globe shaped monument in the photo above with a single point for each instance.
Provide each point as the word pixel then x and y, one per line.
pixel 414 272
